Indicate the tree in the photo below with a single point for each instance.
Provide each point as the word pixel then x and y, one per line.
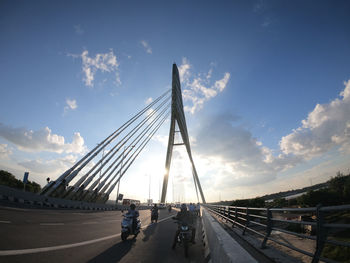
pixel 9 180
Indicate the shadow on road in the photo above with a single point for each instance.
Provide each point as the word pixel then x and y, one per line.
pixel 149 231
pixel 116 252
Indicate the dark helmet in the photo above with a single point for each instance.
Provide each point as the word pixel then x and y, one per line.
pixel 155 205
pixel 183 207
pixel 132 206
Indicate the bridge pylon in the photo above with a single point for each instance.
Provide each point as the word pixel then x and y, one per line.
pixel 178 116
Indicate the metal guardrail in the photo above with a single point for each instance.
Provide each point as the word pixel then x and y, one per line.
pixel 262 221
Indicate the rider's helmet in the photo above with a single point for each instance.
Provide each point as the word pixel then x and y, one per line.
pixel 183 207
pixel 155 205
pixel 132 206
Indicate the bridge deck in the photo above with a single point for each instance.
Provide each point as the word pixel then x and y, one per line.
pixel 33 235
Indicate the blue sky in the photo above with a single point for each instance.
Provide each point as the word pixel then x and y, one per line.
pixel 265 86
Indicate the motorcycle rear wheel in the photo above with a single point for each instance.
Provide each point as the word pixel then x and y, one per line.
pixel 185 243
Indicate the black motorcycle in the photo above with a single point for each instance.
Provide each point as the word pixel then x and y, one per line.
pixel 184 235
pixel 154 216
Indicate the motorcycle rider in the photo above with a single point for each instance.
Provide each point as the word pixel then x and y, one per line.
pixel 184 216
pixel 134 214
pixel 154 213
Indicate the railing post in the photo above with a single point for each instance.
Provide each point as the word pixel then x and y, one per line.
pixel 247 221
pixel 235 220
pixel 228 214
pixel 268 227
pixel 321 234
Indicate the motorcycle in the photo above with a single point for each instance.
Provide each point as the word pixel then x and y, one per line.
pixel 154 216
pixel 184 236
pixel 127 227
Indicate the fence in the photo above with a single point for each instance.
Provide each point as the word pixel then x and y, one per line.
pixel 322 223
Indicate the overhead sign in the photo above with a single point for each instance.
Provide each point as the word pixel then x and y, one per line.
pixel 25 178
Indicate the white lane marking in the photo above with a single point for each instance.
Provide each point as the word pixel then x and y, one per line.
pixel 45 249
pixel 14 208
pixel 51 224
pixel 5 222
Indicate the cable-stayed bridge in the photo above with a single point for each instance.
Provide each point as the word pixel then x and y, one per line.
pixel 42 235
pixel 92 179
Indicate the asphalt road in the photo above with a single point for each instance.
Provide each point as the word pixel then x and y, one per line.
pixel 34 235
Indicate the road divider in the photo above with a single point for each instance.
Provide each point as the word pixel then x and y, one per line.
pixel 223 248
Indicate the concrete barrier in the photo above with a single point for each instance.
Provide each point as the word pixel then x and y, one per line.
pixel 16 195
pixel 223 248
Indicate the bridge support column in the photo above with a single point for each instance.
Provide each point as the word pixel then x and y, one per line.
pixel 178 116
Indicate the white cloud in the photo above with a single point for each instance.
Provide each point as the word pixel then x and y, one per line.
pixel 78 30
pixel 4 151
pixel 42 140
pixel 230 152
pixel 149 100
pixel 197 90
pixel 184 70
pixel 327 126
pixel 146 46
pixel 103 62
pixel 71 105
pixel 54 167
pixel 240 158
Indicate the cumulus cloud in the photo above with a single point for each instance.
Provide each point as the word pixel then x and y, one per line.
pixel 103 62
pixel 55 166
pixel 42 140
pixel 326 127
pixel 146 46
pixel 4 151
pixel 199 89
pixel 235 155
pixel 239 159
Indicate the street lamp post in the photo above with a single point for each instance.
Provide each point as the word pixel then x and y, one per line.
pixel 121 168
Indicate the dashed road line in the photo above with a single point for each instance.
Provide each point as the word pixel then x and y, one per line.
pixel 46 249
pixel 5 222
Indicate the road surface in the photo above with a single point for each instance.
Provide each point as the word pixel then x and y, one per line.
pixel 42 235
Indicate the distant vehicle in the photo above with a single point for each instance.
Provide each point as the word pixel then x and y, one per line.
pixel 161 206
pixel 128 202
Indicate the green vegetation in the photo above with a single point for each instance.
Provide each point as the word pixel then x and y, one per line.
pixel 337 193
pixel 255 202
pixel 338 253
pixel 9 180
